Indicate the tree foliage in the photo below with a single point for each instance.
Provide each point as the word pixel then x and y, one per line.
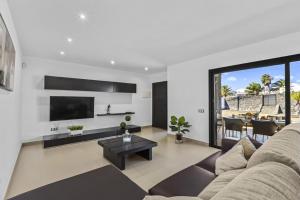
pixel 226 91
pixel 253 88
pixel 296 96
pixel 266 79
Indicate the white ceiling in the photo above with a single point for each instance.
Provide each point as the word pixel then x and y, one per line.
pixel 147 33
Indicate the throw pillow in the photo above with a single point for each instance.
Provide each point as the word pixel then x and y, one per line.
pixel 248 146
pixel 233 159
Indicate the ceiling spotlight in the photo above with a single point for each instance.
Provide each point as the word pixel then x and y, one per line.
pixel 112 62
pixel 69 39
pixel 146 68
pixel 62 53
pixel 82 16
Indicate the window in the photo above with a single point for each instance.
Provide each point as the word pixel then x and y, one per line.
pixel 269 100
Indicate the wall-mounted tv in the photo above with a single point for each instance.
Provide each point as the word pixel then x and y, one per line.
pixel 66 108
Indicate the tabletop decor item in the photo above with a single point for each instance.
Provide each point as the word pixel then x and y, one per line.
pixel 127 137
pixel 108 109
pixel 75 129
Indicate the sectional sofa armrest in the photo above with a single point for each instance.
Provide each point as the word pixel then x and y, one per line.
pixel 227 144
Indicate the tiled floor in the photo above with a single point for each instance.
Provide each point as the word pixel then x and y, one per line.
pixel 38 166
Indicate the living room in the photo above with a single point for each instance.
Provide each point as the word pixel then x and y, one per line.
pixel 129 96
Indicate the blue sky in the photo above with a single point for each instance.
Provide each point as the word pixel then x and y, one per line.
pixel 241 79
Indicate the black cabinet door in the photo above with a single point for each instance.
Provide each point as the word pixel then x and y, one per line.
pixel 125 87
pixel 63 83
pixel 160 105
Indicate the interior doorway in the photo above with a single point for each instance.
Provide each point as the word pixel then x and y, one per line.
pixel 160 105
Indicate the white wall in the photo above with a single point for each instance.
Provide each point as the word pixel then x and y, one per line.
pixel 10 141
pixel 35 104
pixel 158 77
pixel 188 81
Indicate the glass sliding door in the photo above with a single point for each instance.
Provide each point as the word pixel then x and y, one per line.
pixel 246 101
pixel 295 91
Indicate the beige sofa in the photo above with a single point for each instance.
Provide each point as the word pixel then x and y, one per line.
pixel 272 173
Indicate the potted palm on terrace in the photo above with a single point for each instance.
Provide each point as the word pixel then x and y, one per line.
pixel 180 126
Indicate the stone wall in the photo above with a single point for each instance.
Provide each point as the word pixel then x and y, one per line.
pixel 254 103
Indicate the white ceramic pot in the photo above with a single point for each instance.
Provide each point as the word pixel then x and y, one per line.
pixel 77 132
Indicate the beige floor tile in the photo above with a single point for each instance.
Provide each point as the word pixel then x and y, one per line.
pixel 37 166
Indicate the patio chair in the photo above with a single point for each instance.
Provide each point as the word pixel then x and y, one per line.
pixel 234 124
pixel 264 127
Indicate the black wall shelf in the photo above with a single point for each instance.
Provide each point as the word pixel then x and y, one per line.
pixel 67 138
pixel 113 114
pixel 64 83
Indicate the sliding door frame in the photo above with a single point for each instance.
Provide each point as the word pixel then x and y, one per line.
pixel 286 60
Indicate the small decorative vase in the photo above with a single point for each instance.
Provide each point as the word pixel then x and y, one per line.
pixel 178 139
pixel 126 137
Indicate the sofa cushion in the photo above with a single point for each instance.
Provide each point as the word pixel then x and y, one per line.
pixel 227 143
pixel 209 163
pixel 294 126
pixel 219 183
pixel 231 160
pixel 188 182
pixel 283 147
pixel 170 198
pixel 248 147
pixel 267 181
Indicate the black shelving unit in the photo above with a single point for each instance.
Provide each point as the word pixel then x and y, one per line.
pixel 113 114
pixel 65 83
pixel 67 138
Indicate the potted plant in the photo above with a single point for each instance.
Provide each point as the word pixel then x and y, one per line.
pixel 128 119
pixel 180 126
pixel 123 125
pixel 76 129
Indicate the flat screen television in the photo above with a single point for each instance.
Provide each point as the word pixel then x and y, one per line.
pixel 66 108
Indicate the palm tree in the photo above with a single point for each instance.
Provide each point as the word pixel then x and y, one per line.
pixel 266 80
pixel 226 91
pixel 253 88
pixel 278 84
pixel 296 97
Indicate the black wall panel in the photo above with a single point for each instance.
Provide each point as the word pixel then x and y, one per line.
pixel 64 83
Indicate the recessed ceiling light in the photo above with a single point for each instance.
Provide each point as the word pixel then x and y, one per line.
pixel 82 16
pixel 112 62
pixel 146 68
pixel 62 53
pixel 69 39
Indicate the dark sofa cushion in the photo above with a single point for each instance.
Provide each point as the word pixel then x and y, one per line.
pixel 188 182
pixel 104 183
pixel 209 163
pixel 227 144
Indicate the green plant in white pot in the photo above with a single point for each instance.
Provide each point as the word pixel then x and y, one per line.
pixel 180 126
pixel 76 129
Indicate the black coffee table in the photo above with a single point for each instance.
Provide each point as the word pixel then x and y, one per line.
pixel 115 150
